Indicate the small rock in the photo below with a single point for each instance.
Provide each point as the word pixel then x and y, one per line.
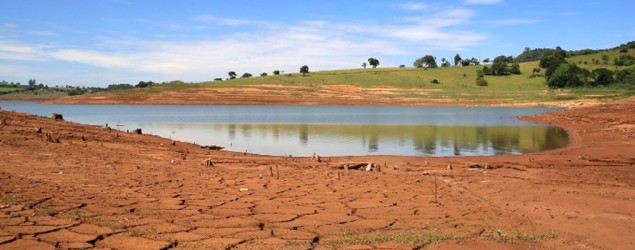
pixel 208 162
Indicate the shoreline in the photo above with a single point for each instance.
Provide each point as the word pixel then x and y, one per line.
pixel 140 189
pixel 321 102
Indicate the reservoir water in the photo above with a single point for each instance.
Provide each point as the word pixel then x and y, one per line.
pixel 326 130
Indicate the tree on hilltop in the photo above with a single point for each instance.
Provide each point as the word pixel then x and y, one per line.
pixel 428 61
pixel 232 75
pixel 457 60
pixel 445 63
pixel 373 62
pixel 304 70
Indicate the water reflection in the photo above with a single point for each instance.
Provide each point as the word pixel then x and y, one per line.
pixel 339 140
pixel 302 130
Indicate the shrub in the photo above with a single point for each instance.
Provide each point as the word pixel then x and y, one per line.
pixel 625 60
pixel 480 81
pixel 435 81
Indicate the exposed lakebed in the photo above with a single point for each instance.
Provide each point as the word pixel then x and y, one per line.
pixel 326 130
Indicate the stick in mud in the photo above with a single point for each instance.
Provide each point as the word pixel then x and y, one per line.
pixel 271 171
pixel 277 173
pixel 435 190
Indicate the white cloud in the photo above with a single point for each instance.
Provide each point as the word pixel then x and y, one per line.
pixel 22 52
pixel 320 44
pixel 568 14
pixel 222 21
pixel 413 6
pixel 511 22
pixel 178 26
pixel 483 1
pixel 8 25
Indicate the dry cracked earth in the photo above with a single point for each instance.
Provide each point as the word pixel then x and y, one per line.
pixel 72 186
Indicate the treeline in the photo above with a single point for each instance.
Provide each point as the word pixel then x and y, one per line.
pixel 36 89
pixel 560 73
pixel 537 54
pixel 429 61
pixel 140 85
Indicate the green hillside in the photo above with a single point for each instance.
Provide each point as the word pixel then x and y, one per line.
pixel 443 83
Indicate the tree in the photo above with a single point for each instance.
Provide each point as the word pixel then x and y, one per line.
pixel 232 75
pixel 499 66
pixel 551 63
pixel 304 70
pixel 119 86
pixel 276 72
pixel 445 63
pixel 475 61
pixel 605 58
pixel 247 75
pixel 486 60
pixel 603 76
pixel 263 74
pixel 142 84
pixel 427 61
pixel 515 69
pixel 457 60
pixel 364 65
pixel 373 62
pixel 31 84
pixel 625 76
pixel 560 52
pixel 623 60
pixel 568 75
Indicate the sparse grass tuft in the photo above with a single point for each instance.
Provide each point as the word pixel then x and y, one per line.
pixel 8 200
pixel 75 214
pixel 516 237
pixel 410 238
pixel 43 211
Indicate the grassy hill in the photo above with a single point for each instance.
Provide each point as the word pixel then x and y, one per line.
pixel 378 86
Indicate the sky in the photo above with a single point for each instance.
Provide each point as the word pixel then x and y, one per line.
pixel 102 42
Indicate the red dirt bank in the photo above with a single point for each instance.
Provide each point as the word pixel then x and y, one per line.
pixel 101 189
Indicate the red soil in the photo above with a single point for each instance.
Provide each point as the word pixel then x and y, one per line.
pixel 111 190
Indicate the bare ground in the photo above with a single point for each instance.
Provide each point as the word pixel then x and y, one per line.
pixel 86 187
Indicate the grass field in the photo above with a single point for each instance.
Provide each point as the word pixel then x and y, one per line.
pixel 451 83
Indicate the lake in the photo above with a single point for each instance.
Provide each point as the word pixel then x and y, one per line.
pixel 326 130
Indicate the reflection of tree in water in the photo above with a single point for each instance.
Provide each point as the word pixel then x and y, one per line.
pixel 555 138
pixel 232 131
pixel 373 142
pixel 276 131
pixel 427 140
pixel 246 128
pixel 304 134
pixel 424 139
pixel 457 148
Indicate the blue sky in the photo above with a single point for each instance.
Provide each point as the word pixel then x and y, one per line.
pixel 101 42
